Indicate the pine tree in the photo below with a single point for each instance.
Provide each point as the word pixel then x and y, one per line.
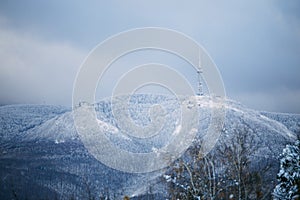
pixel 289 174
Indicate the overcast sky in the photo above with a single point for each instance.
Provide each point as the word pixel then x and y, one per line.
pixel 255 44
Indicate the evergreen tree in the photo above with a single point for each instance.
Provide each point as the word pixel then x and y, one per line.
pixel 289 174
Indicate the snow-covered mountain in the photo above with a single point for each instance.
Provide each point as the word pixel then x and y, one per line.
pixel 42 156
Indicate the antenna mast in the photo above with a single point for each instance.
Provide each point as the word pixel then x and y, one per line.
pixel 199 74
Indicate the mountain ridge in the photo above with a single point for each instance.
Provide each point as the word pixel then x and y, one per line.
pixel 39 144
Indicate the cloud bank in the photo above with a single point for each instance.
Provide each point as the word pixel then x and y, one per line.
pixel 36 71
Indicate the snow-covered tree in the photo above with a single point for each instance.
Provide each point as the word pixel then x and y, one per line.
pixel 224 173
pixel 289 174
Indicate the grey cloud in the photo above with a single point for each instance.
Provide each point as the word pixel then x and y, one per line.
pixel 36 71
pixel 255 44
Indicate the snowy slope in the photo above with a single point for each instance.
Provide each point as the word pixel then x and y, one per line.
pixel 40 148
pixel 291 121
